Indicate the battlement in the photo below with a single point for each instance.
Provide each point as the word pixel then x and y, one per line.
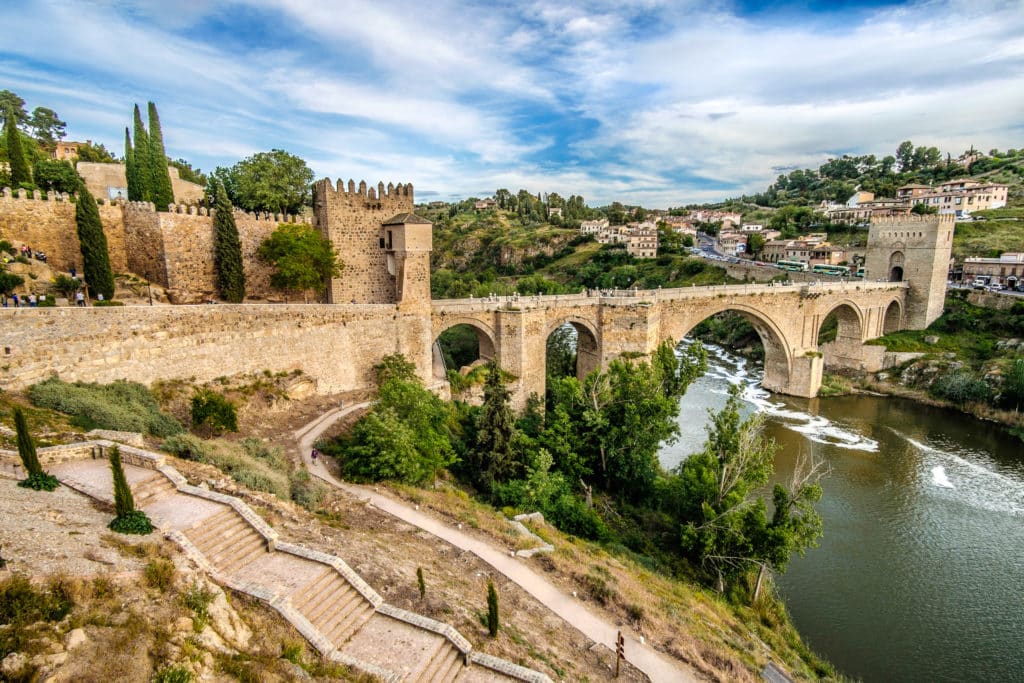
pixel 362 193
pixel 35 195
pixel 915 220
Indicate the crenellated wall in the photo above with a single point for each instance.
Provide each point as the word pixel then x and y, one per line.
pixel 49 226
pixel 351 218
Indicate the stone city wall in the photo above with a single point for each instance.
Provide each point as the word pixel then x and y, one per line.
pixel 49 226
pixel 336 346
pixel 99 178
pixel 352 220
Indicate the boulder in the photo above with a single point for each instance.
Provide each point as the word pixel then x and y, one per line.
pixel 931 339
pixel 75 638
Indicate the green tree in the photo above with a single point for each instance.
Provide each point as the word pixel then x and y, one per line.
pixel 56 175
pixel 11 102
pixel 227 251
pixel 273 181
pixel 10 281
pixel 21 173
pixel 37 478
pixel 48 128
pixel 95 153
pixel 1013 386
pixel 95 256
pixel 131 169
pixel 755 243
pixel 159 175
pixel 66 285
pixel 143 190
pixel 303 259
pixel 214 412
pixel 127 519
pixel 905 155
pixel 493 623
pixel 922 209
pixel 492 458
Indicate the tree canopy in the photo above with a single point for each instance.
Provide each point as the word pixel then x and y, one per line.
pixel 274 181
pixel 303 259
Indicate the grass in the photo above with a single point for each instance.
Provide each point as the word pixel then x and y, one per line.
pixel 988 238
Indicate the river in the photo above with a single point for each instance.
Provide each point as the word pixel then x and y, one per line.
pixel 920 573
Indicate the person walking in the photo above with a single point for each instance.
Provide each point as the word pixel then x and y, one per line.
pixel 79 298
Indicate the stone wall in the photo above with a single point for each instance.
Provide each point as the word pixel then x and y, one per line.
pixel 49 226
pixel 144 242
pixel 336 346
pixel 100 177
pixel 352 220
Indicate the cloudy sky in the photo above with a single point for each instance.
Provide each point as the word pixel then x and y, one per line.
pixel 641 101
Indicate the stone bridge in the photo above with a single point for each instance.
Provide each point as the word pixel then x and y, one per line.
pixel 515 330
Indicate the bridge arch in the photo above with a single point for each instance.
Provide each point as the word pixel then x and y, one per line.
pixel 892 319
pixel 850 319
pixel 485 340
pixel 588 345
pixel 778 350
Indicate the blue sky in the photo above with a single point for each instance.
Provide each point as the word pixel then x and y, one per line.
pixel 640 101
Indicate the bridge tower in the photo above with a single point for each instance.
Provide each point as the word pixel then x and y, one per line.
pixel 385 246
pixel 915 250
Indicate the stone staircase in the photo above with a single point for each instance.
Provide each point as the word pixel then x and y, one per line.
pixel 334 607
pixel 329 604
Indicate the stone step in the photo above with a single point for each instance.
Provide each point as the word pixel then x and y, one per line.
pixel 455 666
pixel 440 664
pixel 152 490
pixel 242 543
pixel 349 621
pixel 332 599
pixel 218 532
pixel 201 532
pixel 250 553
pixel 314 591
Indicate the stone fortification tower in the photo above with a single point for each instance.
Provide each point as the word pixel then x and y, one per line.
pixel 915 250
pixel 385 247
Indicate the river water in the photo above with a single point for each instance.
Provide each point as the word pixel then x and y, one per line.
pixel 920 573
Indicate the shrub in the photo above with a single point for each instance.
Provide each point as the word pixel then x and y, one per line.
pixel 421 582
pixel 492 609
pixel 66 285
pixel 37 479
pixel 213 411
pixel 22 604
pixel 186 446
pixel 272 455
pixel 305 490
pixel 108 302
pixel 123 406
pixel 198 598
pixel 173 674
pixel 159 574
pixel 961 387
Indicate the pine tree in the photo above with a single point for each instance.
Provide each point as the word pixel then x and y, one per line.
pixel 127 519
pixel 495 427
pixel 37 478
pixel 21 172
pixel 131 170
pixel 227 255
pixel 160 176
pixel 492 609
pixel 140 155
pixel 93 241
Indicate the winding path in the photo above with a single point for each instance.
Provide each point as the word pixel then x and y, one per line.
pixel 658 667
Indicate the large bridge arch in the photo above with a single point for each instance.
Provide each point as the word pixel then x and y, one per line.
pixel 485 336
pixel 588 342
pixel 778 349
pixel 851 320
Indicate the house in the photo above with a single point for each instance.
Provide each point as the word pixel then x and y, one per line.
pixel 1007 269
pixel 593 227
pixel 959 197
pixel 861 207
pixel 66 150
pixel 554 211
pixel 485 204
pixel 642 243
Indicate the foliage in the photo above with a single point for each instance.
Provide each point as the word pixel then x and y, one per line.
pixel 561 353
pixel 20 171
pixel 186 446
pixel 95 153
pixel 161 191
pixel 10 102
pixel 421 582
pixel 406 436
pixel 123 500
pixel 306 490
pixel 1012 395
pixel 492 610
pixel 9 282
pixel 394 367
pixel 273 181
pixel 213 411
pixel 173 674
pixel 961 387
pixel 131 169
pixel 66 285
pixel 98 275
pixel 40 482
pixel 302 258
pixel 140 184
pixel 56 176
pixel 134 522
pixel 198 599
pixel 159 574
pixel 491 458
pixel 21 603
pixel 187 173
pixel 37 478
pixel 122 406
pixel 459 345
pixel 46 126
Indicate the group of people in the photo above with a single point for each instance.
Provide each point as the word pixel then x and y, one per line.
pixel 27 300
pixel 30 253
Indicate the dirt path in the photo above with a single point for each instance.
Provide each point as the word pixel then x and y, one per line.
pixel 657 666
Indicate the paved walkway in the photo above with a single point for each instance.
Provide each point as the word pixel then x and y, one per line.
pixel 657 666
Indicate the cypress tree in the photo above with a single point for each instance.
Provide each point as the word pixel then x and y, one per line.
pixel 140 156
pixel 131 171
pixel 21 172
pixel 161 189
pixel 37 478
pixel 128 520
pixel 495 426
pixel 227 254
pixel 492 609
pixel 98 274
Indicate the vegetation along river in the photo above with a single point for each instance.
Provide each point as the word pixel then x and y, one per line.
pixel 920 573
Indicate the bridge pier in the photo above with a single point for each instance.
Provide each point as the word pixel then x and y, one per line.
pixel 802 379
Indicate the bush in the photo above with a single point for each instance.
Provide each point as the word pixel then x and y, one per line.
pixel 40 481
pixel 21 604
pixel 134 522
pixel 272 455
pixel 961 387
pixel 159 574
pixel 198 599
pixel 492 610
pixel 108 302
pixel 122 406
pixel 173 674
pixel 213 411
pixel 186 447
pixel 306 491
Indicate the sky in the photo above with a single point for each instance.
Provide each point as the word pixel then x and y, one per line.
pixel 641 101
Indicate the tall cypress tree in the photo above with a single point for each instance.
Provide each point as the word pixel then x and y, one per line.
pixel 495 426
pixel 21 172
pixel 128 520
pixel 140 155
pixel 161 189
pixel 227 254
pixel 131 171
pixel 95 255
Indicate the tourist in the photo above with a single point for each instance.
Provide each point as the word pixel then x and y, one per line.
pixel 3 299
pixel 32 301
pixel 313 455
pixel 17 301
pixel 80 298
pixel 99 297
pixel 72 271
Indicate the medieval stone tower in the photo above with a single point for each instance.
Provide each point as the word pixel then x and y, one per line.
pixel 916 250
pixel 385 247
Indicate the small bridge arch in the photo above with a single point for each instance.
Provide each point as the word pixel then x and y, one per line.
pixel 588 342
pixel 851 324
pixel 485 337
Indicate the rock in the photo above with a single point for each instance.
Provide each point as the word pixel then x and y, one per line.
pixel 13 664
pixel 57 659
pixel 225 620
pixel 183 624
pixel 882 376
pixel 75 638
pixel 931 339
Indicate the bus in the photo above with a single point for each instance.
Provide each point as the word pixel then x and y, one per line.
pixel 825 269
pixel 798 266
pixel 860 272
